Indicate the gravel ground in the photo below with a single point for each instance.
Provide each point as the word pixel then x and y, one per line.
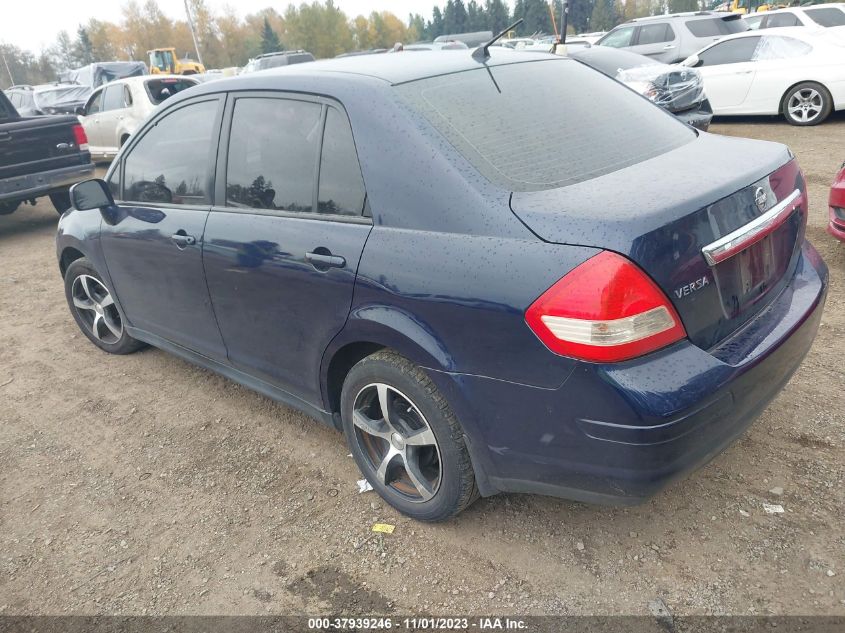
pixel 143 485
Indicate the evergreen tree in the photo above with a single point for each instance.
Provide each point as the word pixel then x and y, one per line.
pixel 497 15
pixel 603 17
pixel 455 17
pixel 418 26
pixel 579 14
pixel 83 50
pixel 437 26
pixel 269 40
pixel 476 18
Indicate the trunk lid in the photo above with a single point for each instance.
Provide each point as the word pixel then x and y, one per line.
pixel 30 145
pixel 662 213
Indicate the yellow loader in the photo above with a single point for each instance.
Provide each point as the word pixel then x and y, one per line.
pixel 164 61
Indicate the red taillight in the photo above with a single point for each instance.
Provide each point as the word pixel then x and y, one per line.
pixel 80 137
pixel 605 310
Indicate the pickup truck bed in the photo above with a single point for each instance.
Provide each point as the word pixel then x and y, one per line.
pixel 40 156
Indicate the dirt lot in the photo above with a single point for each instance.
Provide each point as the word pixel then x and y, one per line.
pixel 142 484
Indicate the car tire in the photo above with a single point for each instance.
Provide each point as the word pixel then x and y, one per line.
pixel 808 103
pixel 61 201
pixel 94 309
pixel 7 208
pixel 418 461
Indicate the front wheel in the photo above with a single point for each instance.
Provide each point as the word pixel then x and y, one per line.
pixel 405 438
pixel 94 310
pixel 7 208
pixel 807 103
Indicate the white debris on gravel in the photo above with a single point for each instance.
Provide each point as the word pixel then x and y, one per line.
pixel 773 508
pixel 364 486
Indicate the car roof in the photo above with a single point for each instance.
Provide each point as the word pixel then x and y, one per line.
pixel 139 79
pixel 677 16
pixel 806 35
pixel 393 69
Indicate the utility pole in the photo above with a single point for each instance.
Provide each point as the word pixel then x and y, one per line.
pixel 6 64
pixel 193 32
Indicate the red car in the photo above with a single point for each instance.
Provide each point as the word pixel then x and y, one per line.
pixel 837 206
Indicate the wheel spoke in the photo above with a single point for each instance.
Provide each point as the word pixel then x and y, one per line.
pixel 381 472
pixel 113 327
pixel 107 301
pixel 383 402
pixel 84 280
pixel 412 467
pixel 82 304
pixel 378 428
pixel 424 437
pixel 95 328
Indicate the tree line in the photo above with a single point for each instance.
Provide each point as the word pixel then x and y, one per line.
pixel 226 39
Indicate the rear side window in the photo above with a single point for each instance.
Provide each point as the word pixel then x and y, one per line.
pixel 776 20
pixel 341 185
pixel 714 27
pixel 273 149
pixel 828 16
pixel 525 128
pixel 754 22
pixel 730 52
pixel 114 98
pixel 171 163
pixel 655 34
pixel 160 89
pixel 778 47
pixel 618 38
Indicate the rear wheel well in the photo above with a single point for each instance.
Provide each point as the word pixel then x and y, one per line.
pixel 69 255
pixel 344 360
pixel 798 83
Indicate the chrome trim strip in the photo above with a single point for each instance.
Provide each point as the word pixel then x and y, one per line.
pixel 725 247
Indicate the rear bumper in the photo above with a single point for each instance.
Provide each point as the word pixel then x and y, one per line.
pixel 698 117
pixel 619 433
pixel 34 185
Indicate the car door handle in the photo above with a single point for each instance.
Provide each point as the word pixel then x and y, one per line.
pixel 745 72
pixel 668 47
pixel 182 239
pixel 5 136
pixel 324 261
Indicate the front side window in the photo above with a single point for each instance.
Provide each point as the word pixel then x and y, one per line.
pixel 273 149
pixel 731 52
pixel 341 189
pixel 619 38
pixel 95 103
pixel 827 16
pixel 171 163
pixel 114 182
pixel 655 34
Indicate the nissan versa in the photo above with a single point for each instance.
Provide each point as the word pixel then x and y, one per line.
pixel 488 280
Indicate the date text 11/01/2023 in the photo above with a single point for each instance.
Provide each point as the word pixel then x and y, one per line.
pixel 418 624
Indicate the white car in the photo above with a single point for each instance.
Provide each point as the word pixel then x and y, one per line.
pixel 114 111
pixel 799 73
pixel 827 16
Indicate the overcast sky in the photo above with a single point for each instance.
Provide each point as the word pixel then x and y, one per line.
pixel 34 26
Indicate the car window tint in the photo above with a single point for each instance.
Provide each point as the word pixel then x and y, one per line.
pixel 4 110
pixel 754 23
pixel 714 27
pixel 114 182
pixel 160 89
pixel 94 105
pixel 655 34
pixel 775 20
pixel 341 184
pixel 273 154
pixel 171 162
pixel 113 99
pixel 777 47
pixel 827 16
pixel 619 37
pixel 730 52
pixel 552 139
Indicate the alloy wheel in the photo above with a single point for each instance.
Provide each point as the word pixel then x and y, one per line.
pixel 96 309
pixel 805 105
pixel 397 441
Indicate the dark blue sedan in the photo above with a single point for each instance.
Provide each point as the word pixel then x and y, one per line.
pixel 494 274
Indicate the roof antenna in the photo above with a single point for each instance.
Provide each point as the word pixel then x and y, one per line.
pixel 482 54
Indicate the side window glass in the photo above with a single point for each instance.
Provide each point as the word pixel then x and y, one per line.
pixel 127 97
pixel 172 161
pixel 272 158
pixel 94 104
pixel 618 38
pixel 341 184
pixel 775 47
pixel 113 99
pixel 755 22
pixel 655 34
pixel 114 182
pixel 782 19
pixel 730 52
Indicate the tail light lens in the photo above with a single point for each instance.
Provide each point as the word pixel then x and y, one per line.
pixel 80 137
pixel 605 310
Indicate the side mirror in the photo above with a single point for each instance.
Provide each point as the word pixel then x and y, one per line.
pixel 91 194
pixel 691 62
pixel 80 110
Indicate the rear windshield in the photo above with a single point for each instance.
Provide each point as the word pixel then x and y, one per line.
pixel 544 124
pixel 827 16
pixel 713 27
pixel 284 60
pixel 160 89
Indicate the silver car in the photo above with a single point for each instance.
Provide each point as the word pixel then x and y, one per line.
pixel 673 38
